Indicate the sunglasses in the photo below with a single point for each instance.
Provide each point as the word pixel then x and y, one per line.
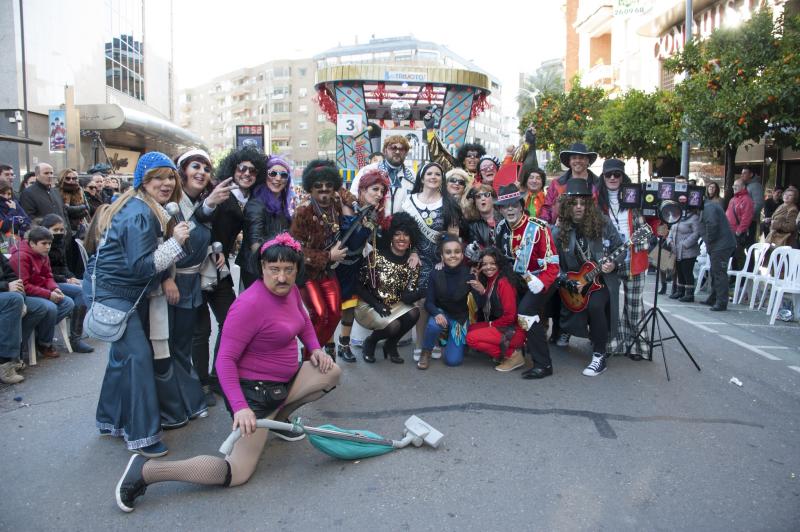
pixel 90 187
pixel 274 173
pixel 472 155
pixel 397 148
pixel 245 168
pixel 459 182
pixel 70 178
pixel 486 195
pixel 322 186
pixel 615 175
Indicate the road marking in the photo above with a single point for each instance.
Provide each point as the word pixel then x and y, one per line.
pixel 699 326
pixel 755 350
pixel 795 368
pixel 770 346
pixel 711 322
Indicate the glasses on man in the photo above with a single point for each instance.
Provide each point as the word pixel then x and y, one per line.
pixel 485 195
pixel 322 186
pixel 397 147
pixel 613 175
pixel 459 182
pixel 245 168
pixel 275 173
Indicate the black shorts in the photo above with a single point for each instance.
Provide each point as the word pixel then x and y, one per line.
pixel 263 397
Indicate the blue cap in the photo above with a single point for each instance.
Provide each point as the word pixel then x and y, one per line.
pixel 148 161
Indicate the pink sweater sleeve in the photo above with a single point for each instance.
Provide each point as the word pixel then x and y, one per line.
pixel 238 331
pixel 307 334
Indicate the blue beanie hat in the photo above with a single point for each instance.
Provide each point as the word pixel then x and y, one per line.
pixel 148 161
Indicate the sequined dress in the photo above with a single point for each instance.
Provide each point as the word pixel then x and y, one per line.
pixel 430 220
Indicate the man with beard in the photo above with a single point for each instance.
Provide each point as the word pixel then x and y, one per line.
pixel 317 226
pixel 401 178
pixel 584 235
pixel 528 244
pixel 578 159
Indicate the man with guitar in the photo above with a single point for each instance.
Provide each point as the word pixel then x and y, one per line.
pixel 528 244
pixel 590 251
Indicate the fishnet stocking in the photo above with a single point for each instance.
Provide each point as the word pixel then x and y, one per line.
pixel 203 469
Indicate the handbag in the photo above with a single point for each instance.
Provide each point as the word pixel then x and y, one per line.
pixel 103 322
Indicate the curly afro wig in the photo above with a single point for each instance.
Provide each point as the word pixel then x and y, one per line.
pixel 402 221
pixel 321 171
pixel 461 154
pixel 228 164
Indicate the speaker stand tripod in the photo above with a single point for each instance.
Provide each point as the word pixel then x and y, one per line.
pixel 651 318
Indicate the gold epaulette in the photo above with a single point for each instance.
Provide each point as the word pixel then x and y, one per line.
pixel 538 221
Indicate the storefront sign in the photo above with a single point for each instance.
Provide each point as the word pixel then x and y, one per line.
pixel 403 76
pixel 250 136
pixel 728 13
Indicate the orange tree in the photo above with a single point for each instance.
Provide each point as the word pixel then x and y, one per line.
pixel 637 125
pixel 561 119
pixel 740 83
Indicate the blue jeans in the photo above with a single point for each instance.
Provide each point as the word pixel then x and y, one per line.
pixel 453 354
pixel 75 293
pixel 11 324
pixel 55 313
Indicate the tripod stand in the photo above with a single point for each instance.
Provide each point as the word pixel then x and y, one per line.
pixel 651 318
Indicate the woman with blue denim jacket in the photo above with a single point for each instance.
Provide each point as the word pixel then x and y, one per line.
pixel 131 260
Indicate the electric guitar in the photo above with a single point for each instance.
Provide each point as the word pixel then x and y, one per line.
pixel 586 278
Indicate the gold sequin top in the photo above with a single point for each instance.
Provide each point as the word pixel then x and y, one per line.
pixel 388 280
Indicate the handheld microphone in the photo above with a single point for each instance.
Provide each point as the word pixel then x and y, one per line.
pixel 216 249
pixel 174 210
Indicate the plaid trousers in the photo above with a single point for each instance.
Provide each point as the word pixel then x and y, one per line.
pixel 632 313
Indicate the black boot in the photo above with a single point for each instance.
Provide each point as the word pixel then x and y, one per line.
pixel 390 351
pixel 688 296
pixel 343 350
pixel 76 331
pixel 677 293
pixel 368 348
pixel 663 289
pixel 330 349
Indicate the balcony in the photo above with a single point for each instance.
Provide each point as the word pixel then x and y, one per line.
pixel 600 76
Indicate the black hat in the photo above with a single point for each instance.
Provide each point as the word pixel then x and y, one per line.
pixel 578 148
pixel 578 187
pixel 508 195
pixel 613 165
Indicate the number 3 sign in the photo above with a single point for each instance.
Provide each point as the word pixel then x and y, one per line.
pixel 349 125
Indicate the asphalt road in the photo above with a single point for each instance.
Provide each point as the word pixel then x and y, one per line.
pixel 627 450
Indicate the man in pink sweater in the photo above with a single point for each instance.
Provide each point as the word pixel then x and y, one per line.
pixel 260 374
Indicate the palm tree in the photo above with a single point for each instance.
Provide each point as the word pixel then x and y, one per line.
pixel 545 80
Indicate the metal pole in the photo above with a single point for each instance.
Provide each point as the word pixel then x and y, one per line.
pixel 24 87
pixel 687 38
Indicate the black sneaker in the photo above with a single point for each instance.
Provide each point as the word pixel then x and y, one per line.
pixel 209 395
pixel 596 366
pixel 131 485
pixel 288 435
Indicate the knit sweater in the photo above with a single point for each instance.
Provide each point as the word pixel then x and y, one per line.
pixel 258 340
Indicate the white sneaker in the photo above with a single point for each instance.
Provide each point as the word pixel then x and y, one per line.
pixel 417 353
pixel 436 353
pixel 563 340
pixel 596 366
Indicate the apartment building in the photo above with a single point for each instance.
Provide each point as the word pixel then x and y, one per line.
pixel 277 94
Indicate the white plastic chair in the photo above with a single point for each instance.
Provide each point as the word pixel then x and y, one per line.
pixel 63 328
pixel 753 262
pixel 84 254
pixel 789 284
pixel 703 270
pixel 776 268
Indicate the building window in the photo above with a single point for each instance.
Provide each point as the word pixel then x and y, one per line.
pixel 302 72
pixel 302 108
pixel 303 144
pixel 302 92
pixel 282 107
pixel 124 52
pixel 321 118
pixel 302 125
pixel 281 72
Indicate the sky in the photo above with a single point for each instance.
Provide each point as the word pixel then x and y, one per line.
pixel 503 37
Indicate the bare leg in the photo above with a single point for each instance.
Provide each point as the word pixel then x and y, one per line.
pixel 309 385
